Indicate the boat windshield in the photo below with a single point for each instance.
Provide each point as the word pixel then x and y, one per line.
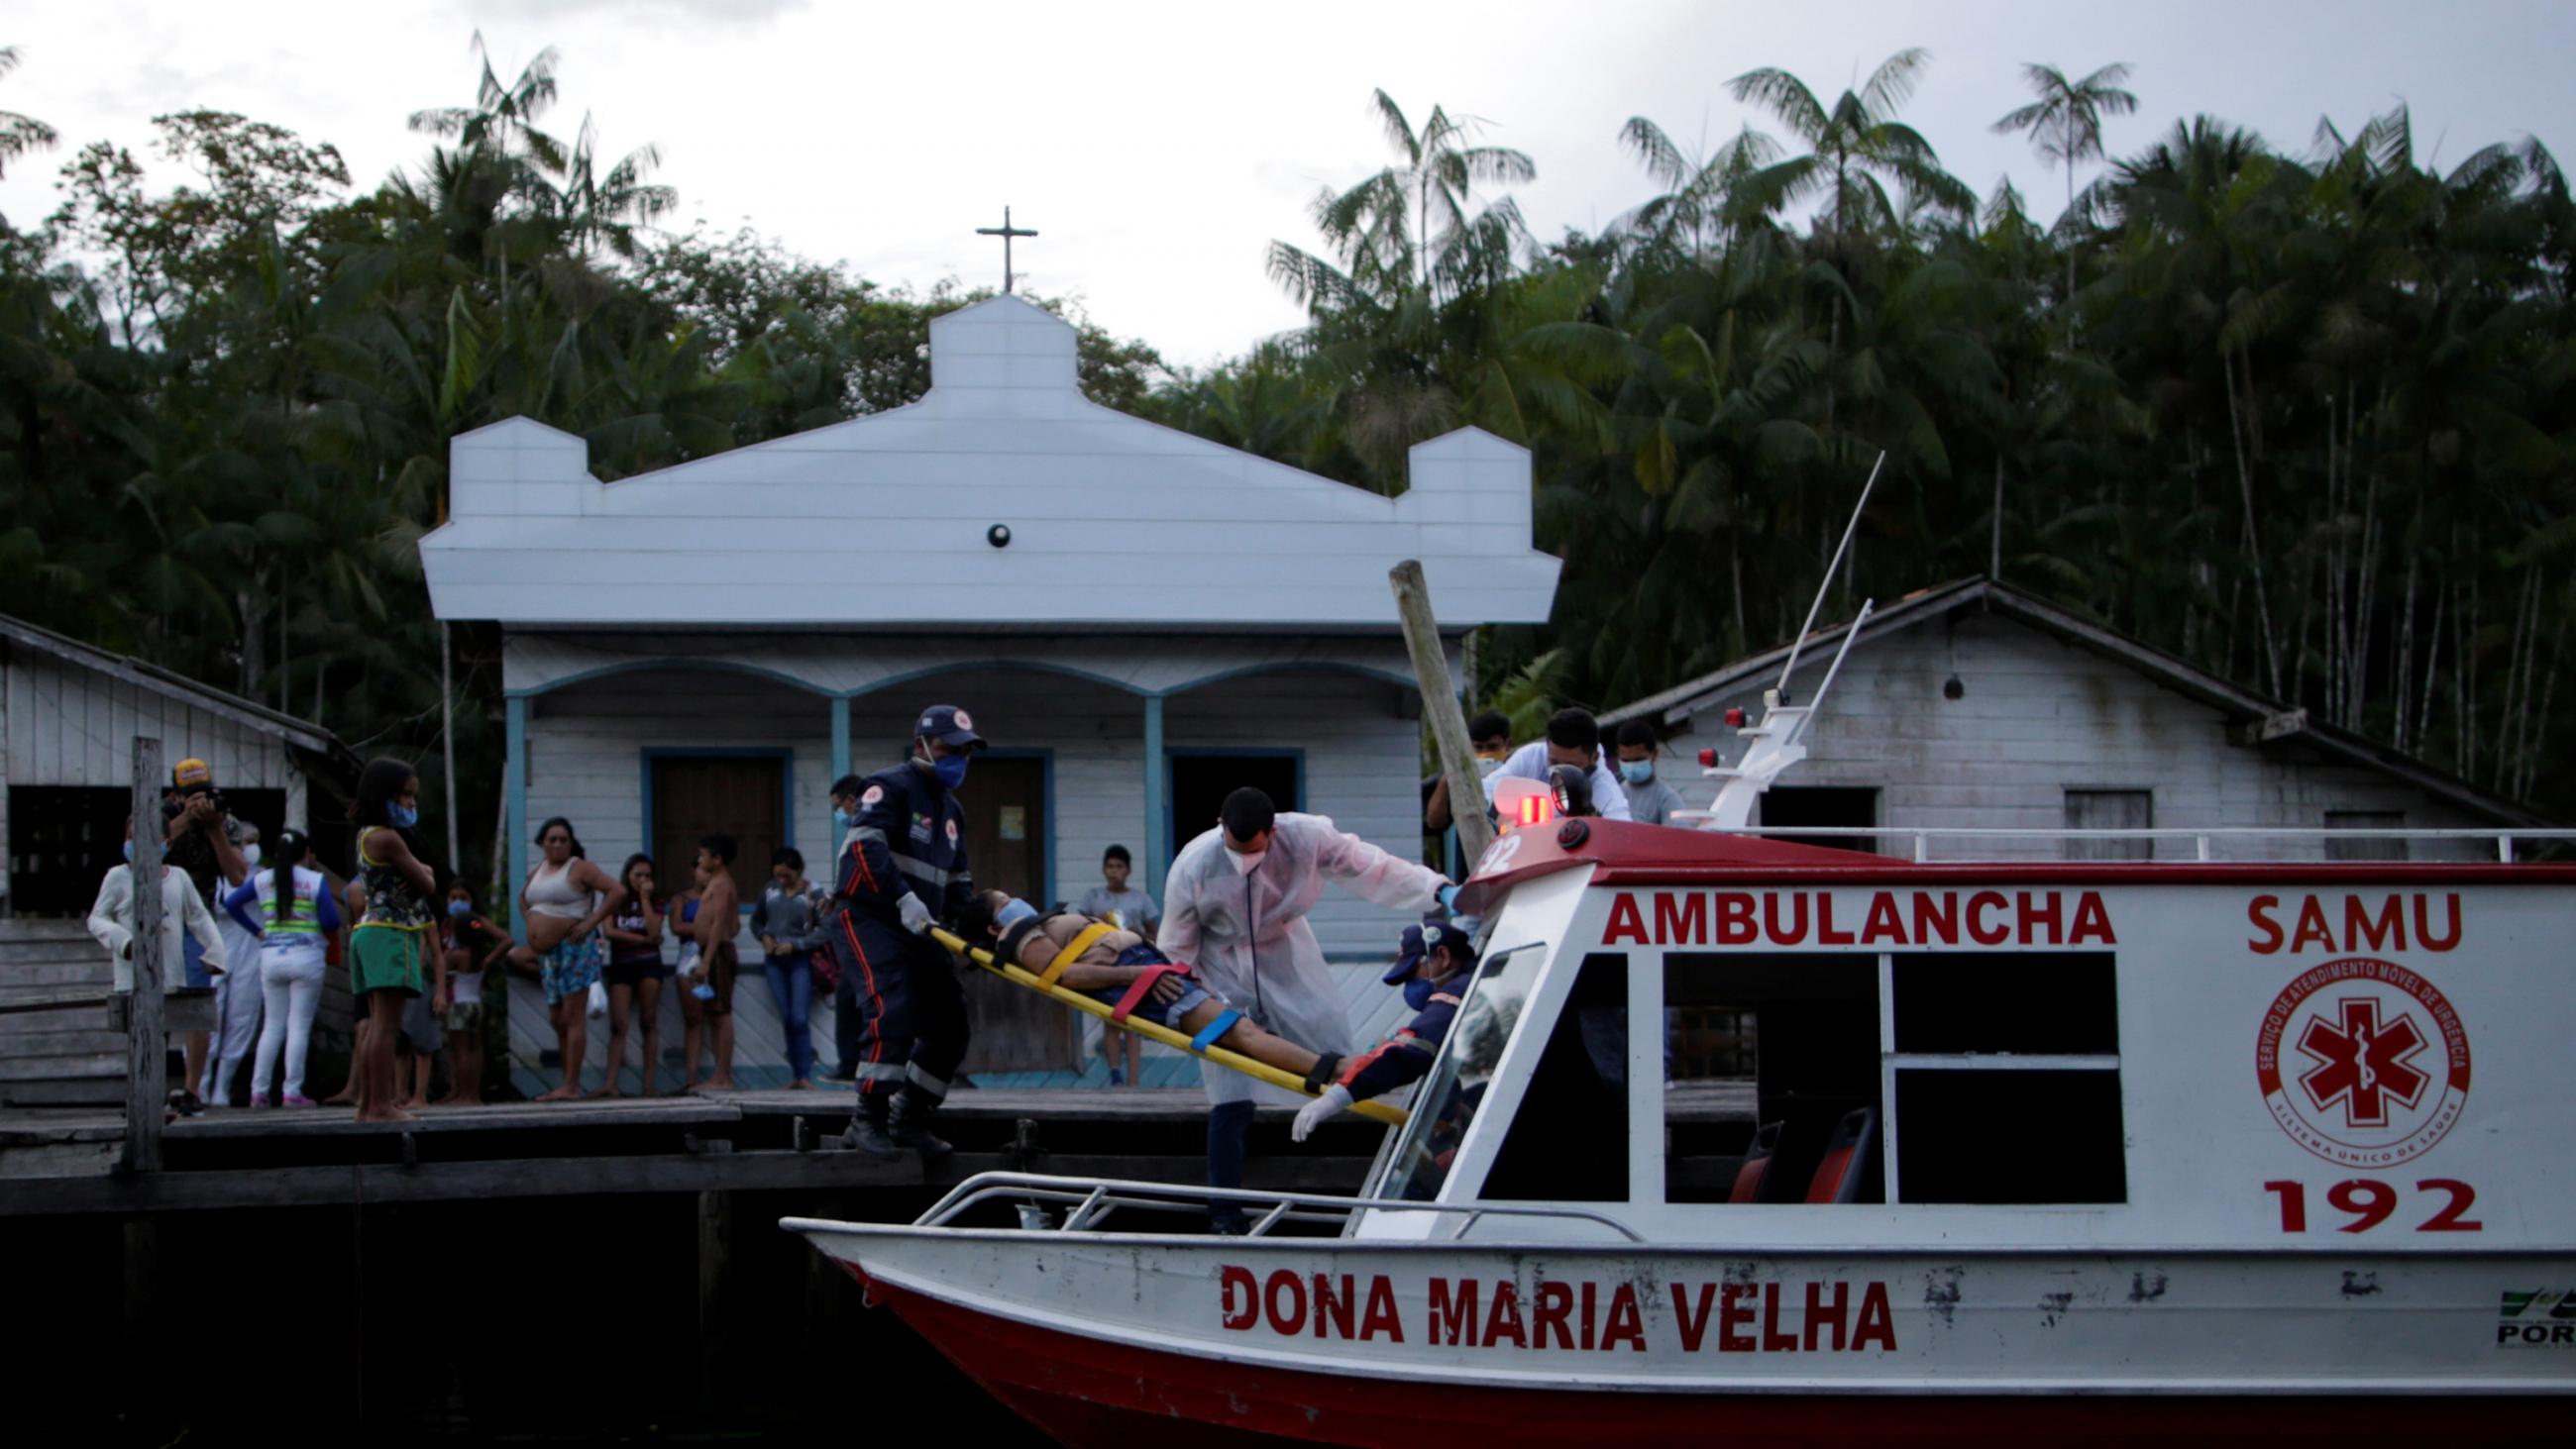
pixel 1456 1086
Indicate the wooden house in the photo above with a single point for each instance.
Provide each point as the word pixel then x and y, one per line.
pixel 1978 705
pixel 1137 619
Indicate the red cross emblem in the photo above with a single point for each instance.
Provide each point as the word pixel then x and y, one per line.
pixel 2362 1064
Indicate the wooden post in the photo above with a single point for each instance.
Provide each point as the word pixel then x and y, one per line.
pixel 146 1051
pixel 715 1249
pixel 1440 706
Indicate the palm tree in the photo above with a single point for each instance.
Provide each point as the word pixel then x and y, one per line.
pixel 2065 127
pixel 1410 228
pixel 1855 147
pixel 18 134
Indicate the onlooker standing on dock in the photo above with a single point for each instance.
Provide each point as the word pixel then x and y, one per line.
pixel 290 911
pixel 473 944
pixel 390 946
pixel 686 978
pixel 789 922
pixel 1129 908
pixel 845 982
pixel 719 921
pixel 238 998
pixel 203 840
pixel 635 973
pixel 184 918
pixel 1650 800
pixel 564 901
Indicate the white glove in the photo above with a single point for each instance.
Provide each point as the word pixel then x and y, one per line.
pixel 1312 1115
pixel 916 916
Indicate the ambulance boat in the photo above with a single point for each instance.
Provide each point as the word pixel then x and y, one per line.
pixel 2096 1149
pixel 2084 1151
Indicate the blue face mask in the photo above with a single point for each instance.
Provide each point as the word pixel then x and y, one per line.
pixel 402 817
pixel 1013 913
pixel 1417 993
pixel 129 852
pixel 842 821
pixel 460 909
pixel 951 770
pixel 1636 772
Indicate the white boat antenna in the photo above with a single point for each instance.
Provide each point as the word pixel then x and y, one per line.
pixel 1779 741
pixel 1827 584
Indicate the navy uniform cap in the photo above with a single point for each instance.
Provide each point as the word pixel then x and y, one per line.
pixel 1421 941
pixel 949 725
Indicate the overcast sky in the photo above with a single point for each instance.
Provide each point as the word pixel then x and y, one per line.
pixel 1158 149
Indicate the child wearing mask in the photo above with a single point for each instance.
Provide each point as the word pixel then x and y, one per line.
pixel 1650 800
pixel 471 945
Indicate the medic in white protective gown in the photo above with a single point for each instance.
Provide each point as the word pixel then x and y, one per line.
pixel 1246 934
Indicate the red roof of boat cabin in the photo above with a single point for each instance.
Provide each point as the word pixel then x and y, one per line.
pixel 1631 854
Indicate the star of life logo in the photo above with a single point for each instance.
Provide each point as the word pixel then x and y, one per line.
pixel 2363 1062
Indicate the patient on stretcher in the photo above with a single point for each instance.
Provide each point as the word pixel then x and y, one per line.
pixel 1123 970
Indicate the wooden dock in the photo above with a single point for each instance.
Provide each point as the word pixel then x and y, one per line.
pixel 59 1162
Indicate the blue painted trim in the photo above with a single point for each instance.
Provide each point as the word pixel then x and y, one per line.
pixel 962 665
pixel 515 762
pixel 683 662
pixel 1045 756
pixel 1295 754
pixel 1158 810
pixel 1298 666
pixel 840 741
pixel 786 791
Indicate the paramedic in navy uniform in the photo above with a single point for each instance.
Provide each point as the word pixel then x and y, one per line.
pixel 901 868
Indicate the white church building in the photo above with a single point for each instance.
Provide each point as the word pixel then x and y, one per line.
pixel 1138 620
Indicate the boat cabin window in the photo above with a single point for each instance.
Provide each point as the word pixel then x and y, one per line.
pixel 1986 1078
pixel 2004 1071
pixel 1775 1114
pixel 1456 1087
pixel 1569 1140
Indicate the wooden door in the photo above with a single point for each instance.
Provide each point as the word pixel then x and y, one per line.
pixel 744 797
pixel 1007 830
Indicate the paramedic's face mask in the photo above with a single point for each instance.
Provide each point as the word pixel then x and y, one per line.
pixel 1246 854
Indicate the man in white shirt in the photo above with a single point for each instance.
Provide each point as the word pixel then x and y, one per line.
pixel 184 917
pixel 1573 738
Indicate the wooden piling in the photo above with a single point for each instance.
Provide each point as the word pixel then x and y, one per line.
pixel 147 1050
pixel 1440 706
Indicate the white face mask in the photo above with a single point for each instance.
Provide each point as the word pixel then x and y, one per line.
pixel 250 855
pixel 1245 861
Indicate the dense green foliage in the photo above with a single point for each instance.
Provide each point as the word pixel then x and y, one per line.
pixel 2308 422
pixel 2304 420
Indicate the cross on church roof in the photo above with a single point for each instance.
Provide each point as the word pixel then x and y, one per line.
pixel 1005 231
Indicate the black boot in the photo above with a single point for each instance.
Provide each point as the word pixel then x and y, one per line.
pixel 908 1123
pixel 867 1130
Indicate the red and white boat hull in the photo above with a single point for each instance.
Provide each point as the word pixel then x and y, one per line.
pixel 1118 1339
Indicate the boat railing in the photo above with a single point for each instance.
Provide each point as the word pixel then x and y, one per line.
pixel 2206 840
pixel 1083 1204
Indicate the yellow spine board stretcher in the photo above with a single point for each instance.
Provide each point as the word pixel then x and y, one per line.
pixel 1152 1031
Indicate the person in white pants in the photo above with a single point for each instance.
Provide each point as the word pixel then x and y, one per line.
pixel 293 929
pixel 237 999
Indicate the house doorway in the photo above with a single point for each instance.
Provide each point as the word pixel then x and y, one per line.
pixel 688 795
pixel 1008 832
